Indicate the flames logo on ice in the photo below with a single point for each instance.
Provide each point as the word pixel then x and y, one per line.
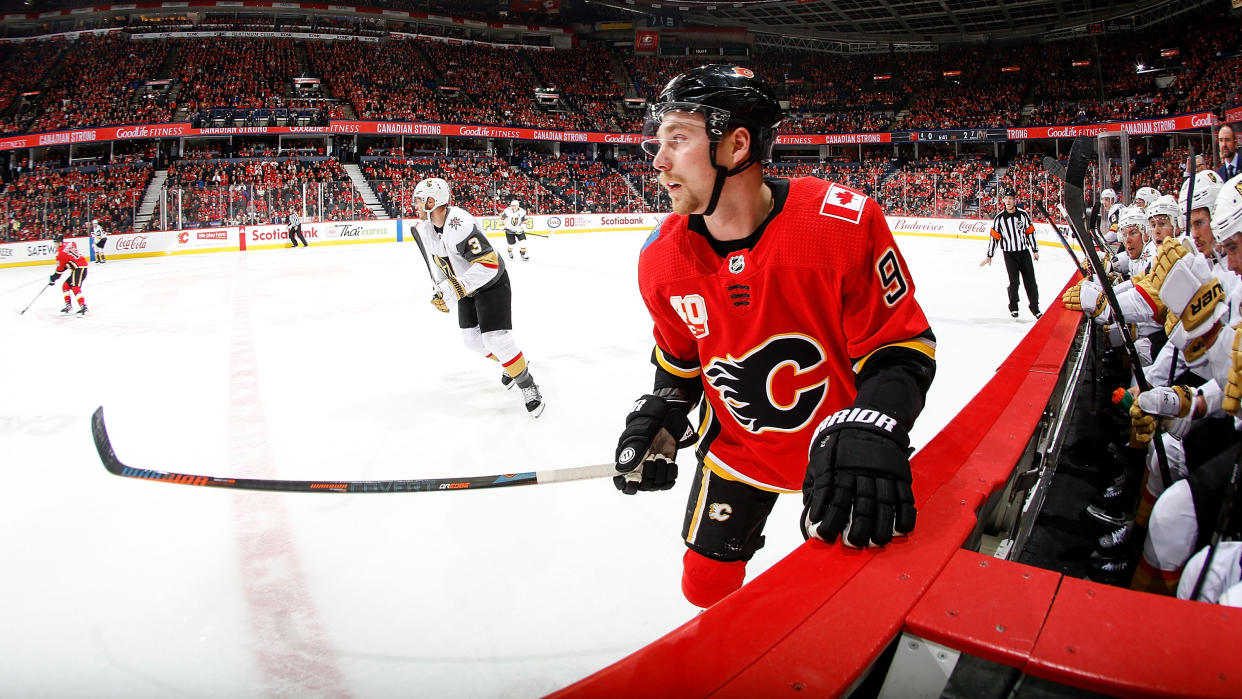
pixel 777 386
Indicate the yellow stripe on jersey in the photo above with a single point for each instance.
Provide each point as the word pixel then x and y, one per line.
pixel 917 344
pixel 700 505
pixel 723 470
pixel 675 366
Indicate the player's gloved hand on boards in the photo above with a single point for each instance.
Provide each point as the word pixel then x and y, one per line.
pixel 52 279
pixel 437 300
pixel 655 429
pixel 858 480
pixel 1086 296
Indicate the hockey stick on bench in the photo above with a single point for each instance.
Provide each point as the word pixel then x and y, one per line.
pixel 1075 207
pixel 1064 242
pixel 116 467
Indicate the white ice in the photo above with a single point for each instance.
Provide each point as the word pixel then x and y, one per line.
pixel 329 363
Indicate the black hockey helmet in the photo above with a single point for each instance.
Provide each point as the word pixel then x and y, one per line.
pixel 1009 192
pixel 728 97
pixel 58 237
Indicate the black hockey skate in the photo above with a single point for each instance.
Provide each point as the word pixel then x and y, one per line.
pixel 506 380
pixel 1118 539
pixel 534 400
pixel 1111 571
pixel 82 311
pixel 524 257
pixel 68 307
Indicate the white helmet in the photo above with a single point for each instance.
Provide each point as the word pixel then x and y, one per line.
pixel 435 189
pixel 1148 195
pixel 1109 194
pixel 514 203
pixel 1132 216
pixel 1227 220
pixel 96 221
pixel 1207 187
pixel 1166 205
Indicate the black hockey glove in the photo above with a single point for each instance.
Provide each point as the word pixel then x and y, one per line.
pixel 52 279
pixel 645 457
pixel 858 480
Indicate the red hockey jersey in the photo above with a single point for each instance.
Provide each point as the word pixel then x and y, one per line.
pixel 777 332
pixel 67 257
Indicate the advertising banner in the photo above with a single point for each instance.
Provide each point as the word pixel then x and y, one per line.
pixel 402 128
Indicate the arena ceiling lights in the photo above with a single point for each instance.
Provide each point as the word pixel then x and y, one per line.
pixel 856 23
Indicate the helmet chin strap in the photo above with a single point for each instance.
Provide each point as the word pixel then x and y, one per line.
pixel 721 173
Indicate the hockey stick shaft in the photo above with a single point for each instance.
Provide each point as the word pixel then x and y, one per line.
pixel 1190 184
pixel 1064 242
pixel 1074 204
pixel 36 298
pixel 418 239
pixel 115 466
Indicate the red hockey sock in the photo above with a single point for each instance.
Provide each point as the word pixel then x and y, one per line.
pixel 705 581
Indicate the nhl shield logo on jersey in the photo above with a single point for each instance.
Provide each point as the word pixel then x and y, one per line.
pixel 737 263
pixel 777 386
pixel 843 203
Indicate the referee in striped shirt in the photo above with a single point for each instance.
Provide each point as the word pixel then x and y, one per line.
pixel 1014 232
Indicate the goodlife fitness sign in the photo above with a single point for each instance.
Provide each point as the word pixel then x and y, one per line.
pixel 1145 127
pixel 404 128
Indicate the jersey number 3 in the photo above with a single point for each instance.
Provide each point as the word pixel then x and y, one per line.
pixel 892 278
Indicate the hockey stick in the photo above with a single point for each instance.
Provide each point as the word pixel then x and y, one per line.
pixel 1077 264
pixel 1190 184
pixel 426 260
pixel 36 298
pixel 1075 206
pixel 116 467
pixel 1222 521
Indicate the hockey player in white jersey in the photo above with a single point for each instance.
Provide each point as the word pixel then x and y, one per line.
pixel 1162 221
pixel 1146 196
pixel 100 237
pixel 514 220
pixel 472 277
pixel 1108 213
pixel 1199 228
pixel 1137 307
pixel 1203 302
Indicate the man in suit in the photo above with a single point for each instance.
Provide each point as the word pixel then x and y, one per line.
pixel 1227 143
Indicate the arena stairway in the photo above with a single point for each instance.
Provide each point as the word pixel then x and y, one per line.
pixel 150 200
pixel 364 188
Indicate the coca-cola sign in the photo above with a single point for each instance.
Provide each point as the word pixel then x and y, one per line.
pixel 132 242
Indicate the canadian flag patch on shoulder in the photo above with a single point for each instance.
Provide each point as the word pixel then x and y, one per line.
pixel 843 203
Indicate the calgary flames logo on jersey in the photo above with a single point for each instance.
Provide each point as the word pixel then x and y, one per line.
pixel 776 386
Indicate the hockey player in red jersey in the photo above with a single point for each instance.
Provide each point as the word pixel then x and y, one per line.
pixel 69 259
pixel 783 308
